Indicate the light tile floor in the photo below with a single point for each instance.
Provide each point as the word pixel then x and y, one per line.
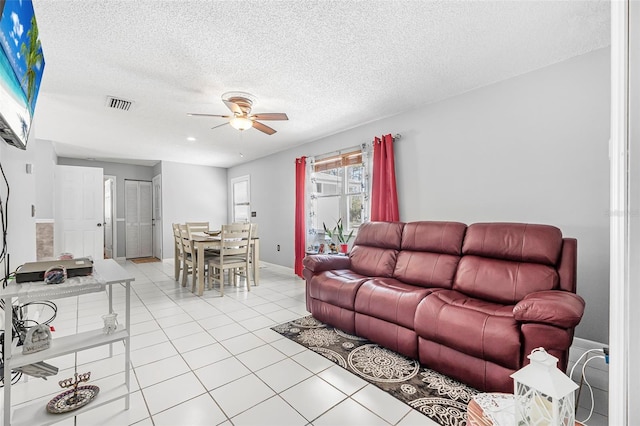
pixel 213 360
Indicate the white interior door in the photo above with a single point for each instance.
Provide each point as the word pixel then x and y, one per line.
pixel 79 212
pixel 157 216
pixel 241 199
pixel 132 226
pixel 138 216
pixel 146 219
pixel 108 217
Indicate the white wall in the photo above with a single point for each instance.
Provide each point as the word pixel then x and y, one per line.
pixel 191 194
pixel 21 234
pixel 43 169
pixel 530 149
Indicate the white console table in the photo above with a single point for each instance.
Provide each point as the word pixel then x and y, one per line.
pixel 106 274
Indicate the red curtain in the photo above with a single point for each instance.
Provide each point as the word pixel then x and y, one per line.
pixel 384 196
pixel 300 230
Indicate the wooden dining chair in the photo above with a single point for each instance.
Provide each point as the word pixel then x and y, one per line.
pixel 252 259
pixel 188 259
pixel 178 251
pixel 234 256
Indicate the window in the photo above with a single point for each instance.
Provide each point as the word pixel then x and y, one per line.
pixel 339 190
pixel 240 190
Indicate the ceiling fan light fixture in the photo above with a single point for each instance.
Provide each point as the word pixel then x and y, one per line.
pixel 241 123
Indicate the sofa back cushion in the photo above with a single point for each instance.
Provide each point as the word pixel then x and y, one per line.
pixel 520 242
pixel 375 249
pixel 430 253
pixel 503 262
pixel 502 281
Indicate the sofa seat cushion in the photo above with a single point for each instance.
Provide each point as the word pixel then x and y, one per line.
pixel 475 327
pixel 390 300
pixel 336 287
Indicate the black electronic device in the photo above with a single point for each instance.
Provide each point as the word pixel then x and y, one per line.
pixel 34 271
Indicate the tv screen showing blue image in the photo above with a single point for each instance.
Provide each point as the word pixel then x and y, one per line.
pixel 21 67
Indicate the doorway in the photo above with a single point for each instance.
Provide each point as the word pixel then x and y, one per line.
pixel 110 236
pixel 78 212
pixel 241 199
pixel 156 220
pixel 138 217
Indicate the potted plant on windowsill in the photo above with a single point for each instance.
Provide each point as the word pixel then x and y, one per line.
pixel 338 232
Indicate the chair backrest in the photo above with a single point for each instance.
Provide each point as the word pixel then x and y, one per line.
pixel 177 238
pixel 185 240
pixel 254 228
pixel 197 227
pixel 235 239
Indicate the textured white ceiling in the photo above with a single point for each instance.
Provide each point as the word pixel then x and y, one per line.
pixel 330 65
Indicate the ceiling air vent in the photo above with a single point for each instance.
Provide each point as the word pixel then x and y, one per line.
pixel 117 103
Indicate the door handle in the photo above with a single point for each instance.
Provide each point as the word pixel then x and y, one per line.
pixel 99 225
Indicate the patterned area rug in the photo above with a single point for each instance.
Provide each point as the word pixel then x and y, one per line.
pixel 438 397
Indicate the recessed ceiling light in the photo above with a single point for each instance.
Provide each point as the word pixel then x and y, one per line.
pixel 191 139
pixel 241 155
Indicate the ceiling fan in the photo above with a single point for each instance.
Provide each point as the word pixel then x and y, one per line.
pixel 240 104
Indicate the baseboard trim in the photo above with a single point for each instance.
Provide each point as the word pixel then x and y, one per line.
pixel 587 344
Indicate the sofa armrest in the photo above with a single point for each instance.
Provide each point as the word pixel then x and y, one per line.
pixel 554 307
pixel 325 262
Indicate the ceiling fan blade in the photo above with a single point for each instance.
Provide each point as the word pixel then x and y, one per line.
pixel 233 107
pixel 208 115
pixel 264 129
pixel 219 125
pixel 270 116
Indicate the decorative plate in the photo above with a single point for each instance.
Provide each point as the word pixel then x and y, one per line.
pixel 65 401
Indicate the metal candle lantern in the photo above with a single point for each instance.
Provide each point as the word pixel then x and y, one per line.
pixel 543 394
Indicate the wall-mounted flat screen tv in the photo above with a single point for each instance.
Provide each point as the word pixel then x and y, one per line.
pixel 21 67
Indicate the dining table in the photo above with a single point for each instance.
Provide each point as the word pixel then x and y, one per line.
pixel 210 241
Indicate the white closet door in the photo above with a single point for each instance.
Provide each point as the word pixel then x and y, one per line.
pixel 132 223
pixel 145 215
pixel 138 209
pixel 156 220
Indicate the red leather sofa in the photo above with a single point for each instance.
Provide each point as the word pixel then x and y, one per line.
pixel 468 301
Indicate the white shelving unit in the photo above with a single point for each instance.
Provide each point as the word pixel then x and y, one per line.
pixel 106 274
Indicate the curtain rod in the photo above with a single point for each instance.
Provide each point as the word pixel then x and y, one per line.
pixel 395 137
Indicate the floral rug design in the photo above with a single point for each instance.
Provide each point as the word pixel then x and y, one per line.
pixel 438 397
